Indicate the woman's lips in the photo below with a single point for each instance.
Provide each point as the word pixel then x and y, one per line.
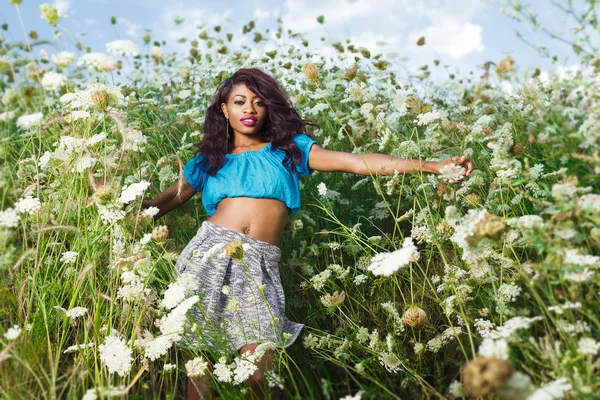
pixel 248 122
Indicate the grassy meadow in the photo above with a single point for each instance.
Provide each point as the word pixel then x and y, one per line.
pixel 498 297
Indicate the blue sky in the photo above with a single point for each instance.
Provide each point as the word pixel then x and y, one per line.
pixel 464 34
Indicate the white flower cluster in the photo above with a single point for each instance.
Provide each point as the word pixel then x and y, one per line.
pixel 75 347
pixel 116 355
pixel 29 121
pixel 134 140
pixel 63 58
pixel 179 290
pixel 385 264
pixel 429 117
pixel 82 99
pixel 98 62
pixel 131 192
pixel 9 218
pixel 196 367
pixel 53 81
pixel 123 48
pixel 157 53
pixel 12 333
pixel 69 257
pixel 134 290
pixel 73 152
pixel 451 172
pixel 171 327
pixel 28 205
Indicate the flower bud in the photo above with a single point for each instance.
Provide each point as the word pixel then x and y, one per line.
pixel 415 317
pixel 235 250
pixel 160 233
pixel 483 375
pixel 311 71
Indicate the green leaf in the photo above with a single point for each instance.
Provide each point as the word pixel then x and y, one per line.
pixel 320 19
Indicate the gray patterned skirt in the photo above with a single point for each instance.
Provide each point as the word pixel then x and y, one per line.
pixel 241 299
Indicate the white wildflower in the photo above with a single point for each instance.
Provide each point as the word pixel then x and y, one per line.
pixel 69 257
pixel 390 361
pixel 157 53
pixel 588 346
pixel 179 290
pixel 357 396
pixel 76 312
pixel 123 47
pixel 196 367
pixel 387 263
pixel 494 348
pixel 98 62
pixel 53 81
pixel 116 355
pixel 12 333
pixel 318 281
pixel 29 121
pixel 553 390
pixel 129 193
pixel 134 140
pixel 451 172
pixel 28 205
pixel 169 367
pixel 322 188
pixel 9 218
pixel 216 251
pixel 74 348
pixel 223 371
pixel 244 368
pixel 151 211
pixel 63 58
pixel 429 117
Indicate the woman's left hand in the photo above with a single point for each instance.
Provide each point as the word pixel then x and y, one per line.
pixel 457 160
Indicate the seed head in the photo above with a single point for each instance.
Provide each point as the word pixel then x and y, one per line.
pixel 100 99
pixel 160 233
pixel 311 71
pixel 415 317
pixel 484 375
pixel 490 226
pixel 235 250
pixel 505 65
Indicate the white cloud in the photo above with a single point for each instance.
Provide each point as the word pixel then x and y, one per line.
pixel 89 21
pixel 260 14
pixel 62 6
pixel 453 38
pixel 133 29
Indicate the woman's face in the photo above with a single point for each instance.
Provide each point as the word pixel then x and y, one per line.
pixel 246 111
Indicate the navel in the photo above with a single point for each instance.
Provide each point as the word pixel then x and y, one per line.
pixel 247 230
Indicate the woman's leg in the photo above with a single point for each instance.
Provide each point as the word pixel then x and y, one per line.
pixel 257 383
pixel 198 387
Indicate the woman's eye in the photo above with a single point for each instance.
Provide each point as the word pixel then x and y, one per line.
pixel 260 104
pixel 238 102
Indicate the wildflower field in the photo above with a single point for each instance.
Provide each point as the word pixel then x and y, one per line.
pixel 410 286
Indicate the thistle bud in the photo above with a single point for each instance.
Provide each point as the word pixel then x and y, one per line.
pixel 415 317
pixel 311 71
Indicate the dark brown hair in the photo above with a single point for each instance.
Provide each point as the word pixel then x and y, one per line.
pixel 282 122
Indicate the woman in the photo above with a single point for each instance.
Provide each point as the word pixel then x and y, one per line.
pixel 248 165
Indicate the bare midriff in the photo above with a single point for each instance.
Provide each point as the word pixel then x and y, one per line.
pixel 261 218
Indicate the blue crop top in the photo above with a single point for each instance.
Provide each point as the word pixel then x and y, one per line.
pixel 253 173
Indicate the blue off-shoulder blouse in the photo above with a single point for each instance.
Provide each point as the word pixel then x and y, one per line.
pixel 257 174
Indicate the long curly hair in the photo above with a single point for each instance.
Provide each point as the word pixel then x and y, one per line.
pixel 282 122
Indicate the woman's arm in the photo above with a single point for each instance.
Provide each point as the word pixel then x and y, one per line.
pixel 171 198
pixel 374 163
